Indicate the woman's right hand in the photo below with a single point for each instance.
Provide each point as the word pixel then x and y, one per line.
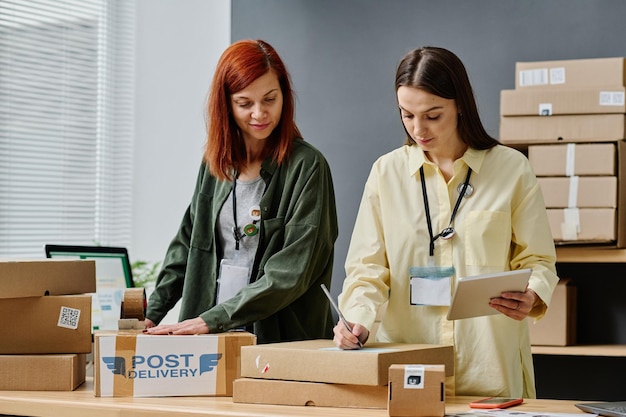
pixel 149 323
pixel 346 340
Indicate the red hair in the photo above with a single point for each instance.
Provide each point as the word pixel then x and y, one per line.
pixel 240 65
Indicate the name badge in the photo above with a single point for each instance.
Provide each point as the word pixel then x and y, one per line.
pixel 430 286
pixel 232 279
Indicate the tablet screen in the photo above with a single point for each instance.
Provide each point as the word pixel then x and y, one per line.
pixel 472 295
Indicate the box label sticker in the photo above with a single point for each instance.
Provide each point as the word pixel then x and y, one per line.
pixel 69 318
pixel 611 98
pixel 414 377
pixel 557 75
pixel 545 109
pixel 529 78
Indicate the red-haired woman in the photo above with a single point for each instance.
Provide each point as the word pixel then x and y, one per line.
pixel 258 237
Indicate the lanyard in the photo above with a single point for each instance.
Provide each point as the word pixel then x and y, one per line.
pixel 448 232
pixel 250 229
pixel 238 235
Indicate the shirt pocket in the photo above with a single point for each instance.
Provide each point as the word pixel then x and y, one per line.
pixel 274 232
pixel 487 238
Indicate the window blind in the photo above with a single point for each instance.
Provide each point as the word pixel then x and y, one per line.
pixel 66 123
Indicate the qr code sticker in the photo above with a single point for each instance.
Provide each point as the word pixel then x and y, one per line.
pixel 69 318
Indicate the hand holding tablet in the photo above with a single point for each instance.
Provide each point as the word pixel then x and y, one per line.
pixel 472 295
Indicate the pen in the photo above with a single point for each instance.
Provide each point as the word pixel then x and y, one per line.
pixel 341 317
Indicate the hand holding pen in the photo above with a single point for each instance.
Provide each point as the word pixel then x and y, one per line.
pixel 341 317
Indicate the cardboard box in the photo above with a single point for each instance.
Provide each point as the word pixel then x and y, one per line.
pixel 558 102
pixel 52 324
pixel 132 364
pixel 595 225
pixel 571 74
pixel 42 372
pixel 558 326
pixel 591 225
pixel 555 129
pixel 320 361
pixel 318 394
pixel 37 277
pixel 416 390
pixel 573 159
pixel 583 192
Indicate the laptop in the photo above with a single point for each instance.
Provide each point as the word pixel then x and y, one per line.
pixel 113 276
pixel 607 408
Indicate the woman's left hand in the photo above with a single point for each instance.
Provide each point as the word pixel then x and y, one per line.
pixel 190 326
pixel 516 305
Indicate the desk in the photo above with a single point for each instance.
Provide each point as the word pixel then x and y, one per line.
pixel 81 403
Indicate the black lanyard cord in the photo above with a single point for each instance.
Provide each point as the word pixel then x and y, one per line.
pixel 236 233
pixel 448 230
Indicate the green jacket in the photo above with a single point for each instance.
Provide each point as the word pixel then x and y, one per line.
pixel 284 301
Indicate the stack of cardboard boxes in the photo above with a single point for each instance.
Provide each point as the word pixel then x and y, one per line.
pixel 570 118
pixel 406 379
pixel 45 307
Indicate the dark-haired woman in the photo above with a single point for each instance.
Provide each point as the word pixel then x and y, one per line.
pixel 452 202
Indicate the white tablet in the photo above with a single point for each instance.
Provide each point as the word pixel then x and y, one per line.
pixel 472 295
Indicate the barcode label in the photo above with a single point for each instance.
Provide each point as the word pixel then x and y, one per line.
pixel 533 77
pixel 611 98
pixel 69 318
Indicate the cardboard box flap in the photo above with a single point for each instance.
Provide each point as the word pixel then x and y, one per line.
pixel 321 361
pixel 38 277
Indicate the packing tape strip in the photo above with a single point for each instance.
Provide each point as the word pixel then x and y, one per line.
pixel 134 304
pixel 570 160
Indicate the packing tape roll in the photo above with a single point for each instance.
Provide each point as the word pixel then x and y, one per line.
pixel 134 304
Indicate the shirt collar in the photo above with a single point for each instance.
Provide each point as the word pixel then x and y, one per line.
pixel 472 157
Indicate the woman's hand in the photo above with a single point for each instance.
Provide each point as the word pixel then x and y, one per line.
pixel 190 326
pixel 346 340
pixel 516 305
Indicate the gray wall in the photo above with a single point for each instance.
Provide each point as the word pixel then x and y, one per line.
pixel 177 47
pixel 342 56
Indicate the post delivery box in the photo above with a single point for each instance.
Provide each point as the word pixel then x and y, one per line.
pixel 133 364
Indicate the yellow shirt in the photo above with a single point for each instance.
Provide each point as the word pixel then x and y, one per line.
pixel 501 226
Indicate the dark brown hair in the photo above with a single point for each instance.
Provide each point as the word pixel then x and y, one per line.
pixel 240 65
pixel 440 72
